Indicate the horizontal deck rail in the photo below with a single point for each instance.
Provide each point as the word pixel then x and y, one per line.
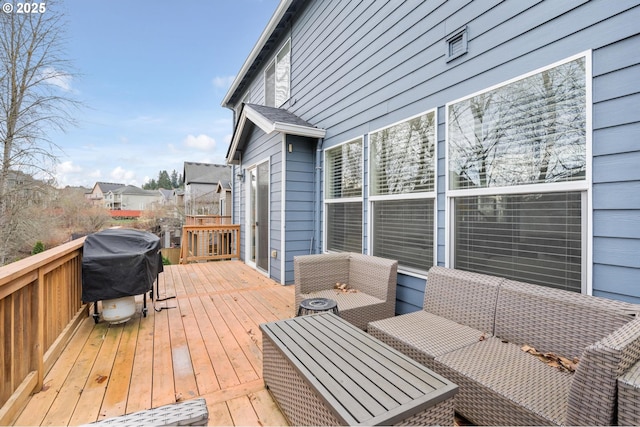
pixel 209 243
pixel 40 303
pixel 208 220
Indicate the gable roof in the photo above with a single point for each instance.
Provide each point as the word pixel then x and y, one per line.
pixel 223 186
pixel 133 190
pixel 105 187
pixel 268 119
pixel 205 173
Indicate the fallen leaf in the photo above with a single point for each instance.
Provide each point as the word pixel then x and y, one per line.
pixel 343 287
pixel 552 359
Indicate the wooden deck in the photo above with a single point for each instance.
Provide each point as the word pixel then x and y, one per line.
pixel 208 345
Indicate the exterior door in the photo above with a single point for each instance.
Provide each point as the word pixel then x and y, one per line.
pixel 258 217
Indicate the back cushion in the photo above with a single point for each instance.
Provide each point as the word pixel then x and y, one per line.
pixel 464 297
pixel 556 321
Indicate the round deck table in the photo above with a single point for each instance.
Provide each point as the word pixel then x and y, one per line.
pixel 317 305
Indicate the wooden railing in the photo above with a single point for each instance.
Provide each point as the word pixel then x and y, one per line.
pixel 40 306
pixel 209 242
pixel 207 220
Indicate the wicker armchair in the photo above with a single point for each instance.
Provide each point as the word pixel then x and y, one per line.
pixel 373 280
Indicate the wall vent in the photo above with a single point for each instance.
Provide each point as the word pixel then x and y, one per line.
pixel 456 44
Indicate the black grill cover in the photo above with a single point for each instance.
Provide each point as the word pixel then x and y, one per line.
pixel 118 263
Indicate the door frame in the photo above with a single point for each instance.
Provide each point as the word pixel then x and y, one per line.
pixel 249 193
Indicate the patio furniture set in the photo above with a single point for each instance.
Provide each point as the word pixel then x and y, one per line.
pixel 470 339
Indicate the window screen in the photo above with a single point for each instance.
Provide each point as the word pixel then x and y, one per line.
pixel 344 227
pixel 534 238
pixel 403 230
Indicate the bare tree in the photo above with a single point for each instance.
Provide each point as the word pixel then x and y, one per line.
pixel 35 100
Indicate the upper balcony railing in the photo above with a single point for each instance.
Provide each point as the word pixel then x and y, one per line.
pixel 207 220
pixel 40 305
pixel 209 242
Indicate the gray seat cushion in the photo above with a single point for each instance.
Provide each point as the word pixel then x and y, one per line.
pixel 424 336
pixel 501 384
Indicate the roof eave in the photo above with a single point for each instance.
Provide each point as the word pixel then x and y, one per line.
pixel 266 33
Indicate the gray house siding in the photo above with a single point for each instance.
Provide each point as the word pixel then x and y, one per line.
pixel 360 66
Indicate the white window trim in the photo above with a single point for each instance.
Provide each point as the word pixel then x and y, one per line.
pixel 422 195
pixel 585 186
pixel 326 201
pixel 264 74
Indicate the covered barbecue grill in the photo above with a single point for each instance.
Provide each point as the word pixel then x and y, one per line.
pixel 119 263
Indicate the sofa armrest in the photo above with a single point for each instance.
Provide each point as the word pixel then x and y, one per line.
pixel 593 395
pixel 374 276
pixel 629 396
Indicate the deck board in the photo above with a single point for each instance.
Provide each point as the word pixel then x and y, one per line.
pixel 208 345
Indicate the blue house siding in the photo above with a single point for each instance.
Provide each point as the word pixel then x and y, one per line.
pixel 616 176
pixel 300 200
pixel 360 66
pixel 261 147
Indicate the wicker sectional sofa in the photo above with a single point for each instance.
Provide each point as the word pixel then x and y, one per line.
pixel 472 329
pixel 373 280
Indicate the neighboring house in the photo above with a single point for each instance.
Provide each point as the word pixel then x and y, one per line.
pixel 27 191
pixel 167 196
pixel 100 189
pixel 200 184
pixel 130 198
pixel 224 191
pixel 178 196
pixel 497 137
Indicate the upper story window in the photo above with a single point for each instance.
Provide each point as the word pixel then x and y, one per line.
pixel 277 78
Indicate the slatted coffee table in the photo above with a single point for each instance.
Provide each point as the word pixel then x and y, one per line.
pixel 324 371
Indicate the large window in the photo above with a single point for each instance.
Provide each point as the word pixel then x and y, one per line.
pixel 517 177
pixel 343 197
pixel 277 78
pixel 402 192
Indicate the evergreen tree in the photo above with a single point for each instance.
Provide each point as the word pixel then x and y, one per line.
pixel 163 180
pixel 174 179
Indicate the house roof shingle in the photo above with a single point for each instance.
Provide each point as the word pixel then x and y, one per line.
pixel 268 119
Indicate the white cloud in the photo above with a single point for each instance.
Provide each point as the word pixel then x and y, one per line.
pixel 121 175
pixel 57 78
pixel 200 142
pixel 68 167
pixel 223 82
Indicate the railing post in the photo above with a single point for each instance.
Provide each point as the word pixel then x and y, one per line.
pixel 37 324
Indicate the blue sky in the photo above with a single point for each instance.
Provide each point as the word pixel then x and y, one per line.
pixel 152 75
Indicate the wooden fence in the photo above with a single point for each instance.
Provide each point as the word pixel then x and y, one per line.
pixel 40 306
pixel 209 242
